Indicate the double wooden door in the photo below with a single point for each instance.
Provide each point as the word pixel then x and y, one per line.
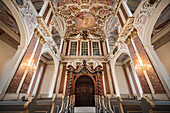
pixel 84 91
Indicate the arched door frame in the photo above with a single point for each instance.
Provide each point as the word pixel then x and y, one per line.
pixel 95 83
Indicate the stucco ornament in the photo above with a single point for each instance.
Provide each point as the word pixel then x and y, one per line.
pixel 143 15
pixel 27 12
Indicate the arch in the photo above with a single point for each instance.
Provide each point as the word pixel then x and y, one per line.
pixel 146 39
pixel 74 83
pixel 120 51
pixel 24 40
pixel 23 29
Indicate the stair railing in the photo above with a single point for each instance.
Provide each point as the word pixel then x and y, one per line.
pixel 66 108
pixel 54 102
pixel 63 105
pixel 109 105
pixel 71 108
pixel 103 104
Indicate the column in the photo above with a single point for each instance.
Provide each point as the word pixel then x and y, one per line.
pixel 23 75
pixel 107 45
pixel 133 79
pixel 148 77
pixel 62 81
pixel 106 79
pixel 163 75
pixel 114 77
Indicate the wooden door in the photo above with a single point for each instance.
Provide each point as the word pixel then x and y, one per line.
pixel 84 91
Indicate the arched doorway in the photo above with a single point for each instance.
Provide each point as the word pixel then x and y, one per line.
pixel 84 91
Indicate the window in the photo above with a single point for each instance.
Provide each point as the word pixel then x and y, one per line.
pixel 95 46
pixel 84 48
pixel 73 48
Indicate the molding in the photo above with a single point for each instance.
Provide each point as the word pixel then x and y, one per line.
pixel 127 27
pixel 44 26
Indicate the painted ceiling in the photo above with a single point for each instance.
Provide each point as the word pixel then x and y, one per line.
pixel 85 18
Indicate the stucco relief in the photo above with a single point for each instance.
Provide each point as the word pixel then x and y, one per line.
pixel 143 15
pixel 28 14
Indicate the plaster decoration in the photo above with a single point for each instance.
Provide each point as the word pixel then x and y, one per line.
pixel 105 2
pixel 91 13
pixel 7 18
pixel 28 14
pixel 143 15
pixel 55 23
pixel 127 27
pixel 50 43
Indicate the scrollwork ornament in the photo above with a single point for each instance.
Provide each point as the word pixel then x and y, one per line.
pixel 143 15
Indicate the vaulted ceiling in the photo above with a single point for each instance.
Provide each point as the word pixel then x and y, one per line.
pixel 86 18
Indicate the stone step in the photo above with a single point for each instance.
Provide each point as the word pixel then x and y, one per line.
pixel 84 110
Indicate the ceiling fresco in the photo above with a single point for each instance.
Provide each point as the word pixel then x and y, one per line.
pixel 85 18
pixel 112 29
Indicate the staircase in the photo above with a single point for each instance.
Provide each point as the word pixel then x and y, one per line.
pixel 84 110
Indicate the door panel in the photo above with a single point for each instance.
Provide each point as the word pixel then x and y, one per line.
pixel 84 91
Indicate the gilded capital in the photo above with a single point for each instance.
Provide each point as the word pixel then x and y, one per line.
pixel 128 40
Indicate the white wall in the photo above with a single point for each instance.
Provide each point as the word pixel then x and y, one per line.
pixel 122 82
pixel 164 56
pixel 6 54
pixel 47 80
